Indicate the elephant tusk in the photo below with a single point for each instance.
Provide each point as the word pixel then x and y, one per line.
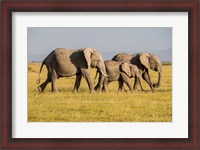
pixel 103 73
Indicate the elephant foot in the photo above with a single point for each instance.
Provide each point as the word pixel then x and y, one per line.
pixel 54 92
pixel 152 88
pixel 104 90
pixel 39 89
pixel 92 92
pixel 122 90
pixel 97 91
pixel 75 91
pixel 119 90
pixel 135 90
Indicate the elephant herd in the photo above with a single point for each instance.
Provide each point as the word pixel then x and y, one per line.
pixel 63 62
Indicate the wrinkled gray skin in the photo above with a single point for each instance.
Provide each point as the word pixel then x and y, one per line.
pixel 63 62
pixel 144 62
pixel 121 72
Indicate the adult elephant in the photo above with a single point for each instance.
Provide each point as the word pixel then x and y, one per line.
pixel 144 62
pixel 63 62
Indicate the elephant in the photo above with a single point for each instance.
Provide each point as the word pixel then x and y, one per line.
pixel 121 72
pixel 63 62
pixel 144 62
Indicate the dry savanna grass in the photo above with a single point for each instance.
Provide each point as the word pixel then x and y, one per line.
pixel 66 106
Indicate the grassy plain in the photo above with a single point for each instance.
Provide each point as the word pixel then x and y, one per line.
pixel 66 106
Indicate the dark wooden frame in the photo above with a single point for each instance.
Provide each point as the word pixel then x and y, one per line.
pixel 190 6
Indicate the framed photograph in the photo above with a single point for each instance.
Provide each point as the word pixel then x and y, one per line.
pixel 100 74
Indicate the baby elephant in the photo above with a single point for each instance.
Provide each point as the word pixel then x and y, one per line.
pixel 121 72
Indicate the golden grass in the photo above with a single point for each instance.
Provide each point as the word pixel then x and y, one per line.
pixel 66 106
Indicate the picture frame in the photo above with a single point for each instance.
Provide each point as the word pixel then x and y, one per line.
pixel 192 7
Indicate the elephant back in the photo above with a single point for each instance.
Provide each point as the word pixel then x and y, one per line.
pixel 62 55
pixel 123 57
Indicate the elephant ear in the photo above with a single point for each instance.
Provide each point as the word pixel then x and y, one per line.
pixel 156 59
pixel 126 68
pixel 87 53
pixel 144 59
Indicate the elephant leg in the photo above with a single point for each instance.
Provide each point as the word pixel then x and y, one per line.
pixel 53 85
pixel 88 78
pixel 96 87
pixel 123 89
pixel 146 77
pixel 45 83
pixel 105 85
pixel 120 85
pixel 127 81
pixel 135 84
pixel 77 83
pixel 53 82
pixel 139 78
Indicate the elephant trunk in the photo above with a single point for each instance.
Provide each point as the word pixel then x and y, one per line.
pixel 102 75
pixel 159 79
pixel 159 70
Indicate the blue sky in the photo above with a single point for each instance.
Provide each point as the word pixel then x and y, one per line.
pixel 42 40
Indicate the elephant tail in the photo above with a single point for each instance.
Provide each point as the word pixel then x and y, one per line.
pixel 38 79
